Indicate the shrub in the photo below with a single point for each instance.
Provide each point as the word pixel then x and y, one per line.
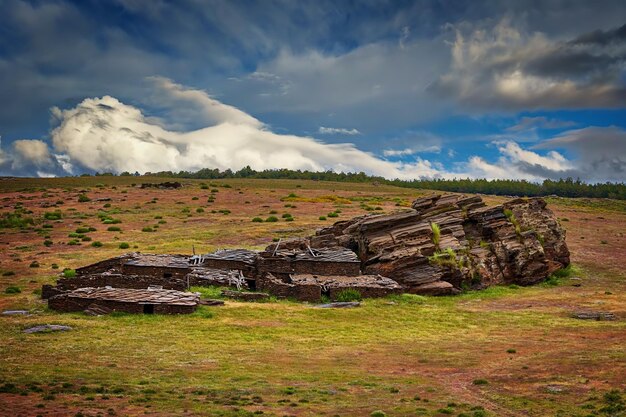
pixel 215 190
pixel 195 198
pixel 199 210
pixel 204 187
pixel 271 219
pixel 82 198
pixel 96 244
pixel 273 212
pixel 322 217
pixel 147 229
pixel 34 264
pixel 55 266
pixel 8 273
pixel 47 243
pixel 15 220
pixel 124 245
pixel 47 226
pixel 86 239
pixel 69 273
pixel 511 351
pixel 162 222
pixel 480 381
pixel 436 234
pixel 83 230
pixel 257 220
pixel 289 219
pixel 333 214
pixel 158 217
pixel 114 229
pixel 53 215
pixel 73 242
pixel 284 216
pixel 378 413
pixel 12 289
pixel 349 294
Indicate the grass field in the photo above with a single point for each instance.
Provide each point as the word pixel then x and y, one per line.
pixel 506 351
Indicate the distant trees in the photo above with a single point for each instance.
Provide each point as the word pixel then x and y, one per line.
pixel 567 187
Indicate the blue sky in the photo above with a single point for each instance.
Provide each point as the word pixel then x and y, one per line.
pixel 408 89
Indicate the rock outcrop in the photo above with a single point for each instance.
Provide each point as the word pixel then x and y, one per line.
pixel 450 242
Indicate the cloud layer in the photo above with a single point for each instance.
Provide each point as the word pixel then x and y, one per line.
pixel 106 135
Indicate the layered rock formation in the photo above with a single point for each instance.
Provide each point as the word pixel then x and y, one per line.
pixel 450 242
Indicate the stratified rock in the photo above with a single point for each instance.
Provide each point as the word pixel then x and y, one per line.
pixel 450 242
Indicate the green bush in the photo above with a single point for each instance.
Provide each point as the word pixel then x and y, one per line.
pixel 124 245
pixel 322 217
pixel 271 219
pixel 257 220
pixel 199 210
pixel 8 273
pixel 34 264
pixel 12 289
pixel 349 294
pixel 83 230
pixel 480 381
pixel 82 198
pixel 114 229
pixel 53 215
pixel 85 239
pixel 97 244
pixel 332 214
pixel 147 229
pixel 15 220
pixel 47 243
pixel 286 215
pixel 378 413
pixel 69 273
pixel 73 242
pixel 436 234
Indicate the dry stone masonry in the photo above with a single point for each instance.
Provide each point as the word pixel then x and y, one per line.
pixel 442 245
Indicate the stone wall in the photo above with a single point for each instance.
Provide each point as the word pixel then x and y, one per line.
pixel 310 292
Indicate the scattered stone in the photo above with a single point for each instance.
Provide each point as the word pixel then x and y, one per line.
pixel 211 302
pixel 15 313
pixel 594 315
pixel 48 328
pixel 346 304
pixel 246 296
pixel 555 389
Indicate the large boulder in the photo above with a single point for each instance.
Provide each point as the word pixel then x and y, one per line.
pixel 449 242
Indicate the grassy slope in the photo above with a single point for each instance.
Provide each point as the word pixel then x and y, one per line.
pixel 406 356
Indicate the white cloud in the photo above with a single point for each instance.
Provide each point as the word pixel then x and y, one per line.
pixel 337 131
pixel 104 134
pixel 27 151
pixel 411 151
pixel 539 122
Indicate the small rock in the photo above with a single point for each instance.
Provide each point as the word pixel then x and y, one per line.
pixel 555 389
pixel 346 304
pixel 15 313
pixel 47 328
pixel 246 296
pixel 594 315
pixel 211 302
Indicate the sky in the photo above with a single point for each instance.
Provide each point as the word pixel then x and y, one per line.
pixel 521 89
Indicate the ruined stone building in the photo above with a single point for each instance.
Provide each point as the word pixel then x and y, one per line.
pixel 443 245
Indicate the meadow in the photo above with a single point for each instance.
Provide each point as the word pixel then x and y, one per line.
pixel 505 351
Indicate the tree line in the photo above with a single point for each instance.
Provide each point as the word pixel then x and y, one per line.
pixel 566 187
